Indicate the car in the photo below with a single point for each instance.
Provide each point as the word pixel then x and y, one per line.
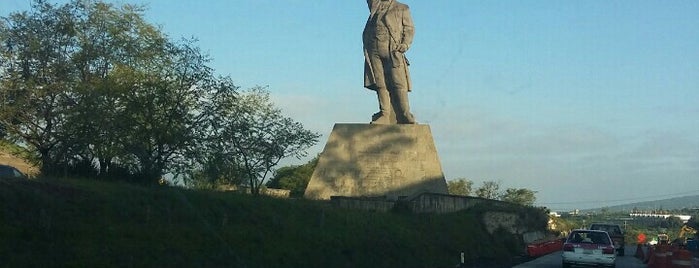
pixel 7 172
pixel 615 232
pixel 588 247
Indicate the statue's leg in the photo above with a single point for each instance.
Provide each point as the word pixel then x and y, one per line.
pixel 401 105
pixel 385 114
pixel 399 96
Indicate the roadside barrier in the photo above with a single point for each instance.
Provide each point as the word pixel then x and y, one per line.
pixel 682 259
pixel 544 247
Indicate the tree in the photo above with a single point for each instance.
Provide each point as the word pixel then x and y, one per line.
pixel 489 190
pixel 520 196
pixel 38 77
pixel 116 47
pixel 91 85
pixel 93 89
pixel 674 222
pixel 293 178
pixel 162 113
pixel 250 136
pixel 460 187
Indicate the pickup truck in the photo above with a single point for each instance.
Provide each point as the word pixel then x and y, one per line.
pixel 615 232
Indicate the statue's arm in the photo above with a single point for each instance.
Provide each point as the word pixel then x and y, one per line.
pixel 370 3
pixel 408 28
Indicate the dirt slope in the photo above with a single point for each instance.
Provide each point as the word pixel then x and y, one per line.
pixel 19 163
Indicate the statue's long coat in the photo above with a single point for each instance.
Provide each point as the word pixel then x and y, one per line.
pixel 401 28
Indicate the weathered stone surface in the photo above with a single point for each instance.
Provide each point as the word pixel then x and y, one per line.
pixel 377 160
pixel 387 35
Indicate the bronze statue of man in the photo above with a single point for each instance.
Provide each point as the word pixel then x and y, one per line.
pixel 387 35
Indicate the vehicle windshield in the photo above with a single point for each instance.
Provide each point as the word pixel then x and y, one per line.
pixel 589 238
pixel 9 172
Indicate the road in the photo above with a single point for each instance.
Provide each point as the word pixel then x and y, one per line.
pixel 554 260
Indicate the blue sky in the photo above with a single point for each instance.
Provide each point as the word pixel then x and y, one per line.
pixel 589 103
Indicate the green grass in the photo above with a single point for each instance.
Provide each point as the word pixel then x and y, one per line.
pixel 86 223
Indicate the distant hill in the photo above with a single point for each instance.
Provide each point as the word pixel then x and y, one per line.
pixel 665 204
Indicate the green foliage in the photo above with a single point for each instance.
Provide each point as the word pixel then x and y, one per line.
pixel 293 178
pixel 673 222
pixel 61 88
pixel 460 187
pixel 14 150
pixel 80 223
pixel 489 190
pixel 251 135
pixel 520 196
pixel 94 90
pixel 36 86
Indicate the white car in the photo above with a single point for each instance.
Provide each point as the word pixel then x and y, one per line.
pixel 589 247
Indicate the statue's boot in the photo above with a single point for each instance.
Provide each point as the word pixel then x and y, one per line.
pixel 385 115
pixel 402 107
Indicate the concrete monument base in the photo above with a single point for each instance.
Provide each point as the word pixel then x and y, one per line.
pixel 364 160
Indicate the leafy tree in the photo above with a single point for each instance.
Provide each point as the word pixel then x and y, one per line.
pixel 209 163
pixel 293 178
pixel 520 196
pixel 673 222
pixel 91 85
pixel 460 187
pixel 38 77
pixel 162 115
pixel 489 190
pixel 116 46
pixel 250 136
pixel 93 89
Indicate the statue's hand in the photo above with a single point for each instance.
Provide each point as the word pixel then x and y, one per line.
pixel 402 48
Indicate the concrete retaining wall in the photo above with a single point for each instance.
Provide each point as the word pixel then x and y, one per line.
pixel 370 204
pixel 422 203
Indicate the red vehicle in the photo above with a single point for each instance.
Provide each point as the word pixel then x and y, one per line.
pixel 589 247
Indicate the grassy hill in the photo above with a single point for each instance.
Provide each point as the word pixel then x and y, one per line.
pixel 86 223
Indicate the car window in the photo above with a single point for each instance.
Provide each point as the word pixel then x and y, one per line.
pixel 6 171
pixel 615 230
pixel 589 238
pixel 611 229
pixel 599 238
pixel 9 172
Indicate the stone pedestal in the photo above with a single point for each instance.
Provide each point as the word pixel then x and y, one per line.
pixel 364 160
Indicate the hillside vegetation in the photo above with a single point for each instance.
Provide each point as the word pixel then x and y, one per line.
pixel 676 203
pixel 88 223
pixel 13 155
